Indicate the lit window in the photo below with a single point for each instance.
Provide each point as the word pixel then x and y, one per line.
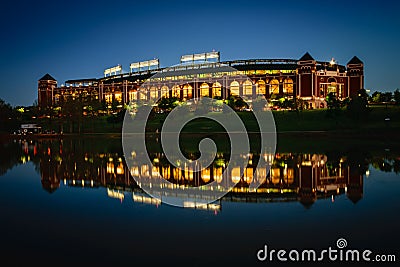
pixel 164 91
pixel 288 86
pixel 204 89
pixel 274 87
pixel 235 175
pixel 176 91
pixel 118 97
pixel 248 87
pixel 216 89
pixel 108 97
pixel 187 91
pixel 132 95
pixel 234 88
pixel 153 92
pixel 261 87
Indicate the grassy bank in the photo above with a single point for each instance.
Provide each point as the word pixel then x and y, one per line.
pixel 285 121
pixel 306 120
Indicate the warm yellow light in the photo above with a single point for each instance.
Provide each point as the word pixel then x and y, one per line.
pixel 205 175
pixel 120 169
pixel 236 175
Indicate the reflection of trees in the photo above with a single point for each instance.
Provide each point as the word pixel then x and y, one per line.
pixel 358 160
pixel 10 156
pixel 386 164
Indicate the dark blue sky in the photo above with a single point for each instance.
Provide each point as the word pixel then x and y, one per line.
pixel 79 40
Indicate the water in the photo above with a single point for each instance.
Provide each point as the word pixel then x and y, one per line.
pixel 72 201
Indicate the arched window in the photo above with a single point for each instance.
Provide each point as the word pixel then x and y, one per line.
pixel 274 87
pixel 235 174
pixel 206 175
pixel 204 89
pixel 216 89
pixel 261 87
pixel 153 92
pixel 164 91
pixel 132 95
pixel 118 96
pixel 187 91
pixel 143 94
pixel 108 97
pixel 248 88
pixel 288 86
pixel 176 91
pixel 332 86
pixel 234 88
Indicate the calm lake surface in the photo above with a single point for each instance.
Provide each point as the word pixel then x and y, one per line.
pixel 74 202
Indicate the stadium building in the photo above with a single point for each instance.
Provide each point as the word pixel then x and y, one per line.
pixel 304 78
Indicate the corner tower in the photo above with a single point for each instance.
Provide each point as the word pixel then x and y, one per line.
pixel 355 73
pixel 46 86
pixel 306 67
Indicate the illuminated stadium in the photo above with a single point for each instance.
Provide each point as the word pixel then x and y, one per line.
pixel 305 78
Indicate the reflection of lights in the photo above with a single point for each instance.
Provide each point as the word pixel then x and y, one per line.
pixel 144 170
pixel 120 169
pixel 115 194
pixel 110 168
pixel 367 173
pixel 145 199
pixel 135 171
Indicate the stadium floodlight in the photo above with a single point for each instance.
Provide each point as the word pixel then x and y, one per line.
pixel 200 57
pixel 113 71
pixel 138 66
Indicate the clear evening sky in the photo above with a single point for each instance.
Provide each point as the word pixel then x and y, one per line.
pixel 71 40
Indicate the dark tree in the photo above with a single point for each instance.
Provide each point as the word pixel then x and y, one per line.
pixel 358 106
pixel 396 96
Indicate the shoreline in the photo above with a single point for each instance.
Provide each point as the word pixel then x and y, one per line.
pixel 350 134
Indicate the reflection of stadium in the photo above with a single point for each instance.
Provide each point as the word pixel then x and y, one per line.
pixel 293 177
pixel 306 78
